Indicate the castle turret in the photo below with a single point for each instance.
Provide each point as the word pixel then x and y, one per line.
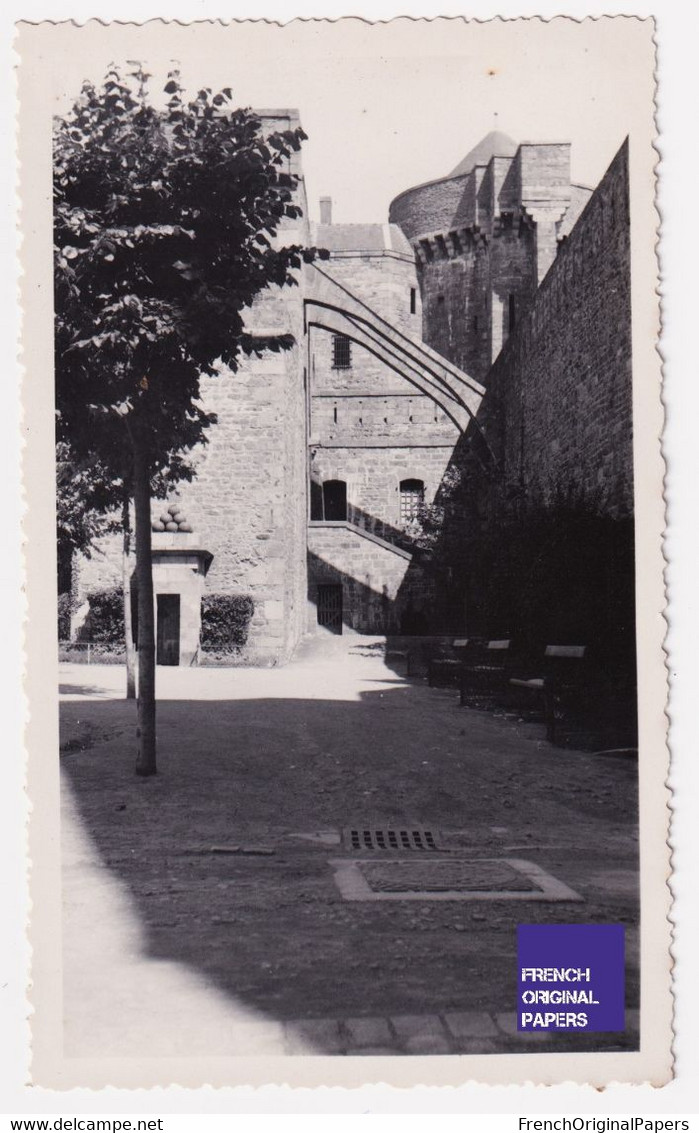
pixel 484 238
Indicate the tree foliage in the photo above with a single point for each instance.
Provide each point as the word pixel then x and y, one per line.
pixel 164 234
pixel 85 495
pixel 165 223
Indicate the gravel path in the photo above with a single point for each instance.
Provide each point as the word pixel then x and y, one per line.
pixel 210 887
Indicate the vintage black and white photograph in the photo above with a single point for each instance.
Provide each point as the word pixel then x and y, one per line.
pixel 354 391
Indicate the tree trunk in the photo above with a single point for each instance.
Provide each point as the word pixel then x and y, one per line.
pixel 145 760
pixel 128 626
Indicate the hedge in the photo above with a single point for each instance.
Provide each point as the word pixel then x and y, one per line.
pixel 105 619
pixel 225 620
pixel 81 653
pixel 64 617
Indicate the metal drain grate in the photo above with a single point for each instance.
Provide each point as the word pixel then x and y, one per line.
pixel 389 838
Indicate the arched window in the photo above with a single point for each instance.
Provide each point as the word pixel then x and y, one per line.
pixel 412 497
pixel 335 500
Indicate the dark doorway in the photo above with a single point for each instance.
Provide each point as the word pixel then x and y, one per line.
pixel 511 313
pixel 335 500
pixel 168 644
pixel 316 500
pixel 330 608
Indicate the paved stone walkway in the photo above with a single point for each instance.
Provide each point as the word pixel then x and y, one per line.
pixel 455 1032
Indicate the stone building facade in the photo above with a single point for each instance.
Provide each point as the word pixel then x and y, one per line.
pixel 248 504
pixel 378 445
pixel 492 306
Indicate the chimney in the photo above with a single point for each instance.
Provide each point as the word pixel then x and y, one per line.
pixel 326 210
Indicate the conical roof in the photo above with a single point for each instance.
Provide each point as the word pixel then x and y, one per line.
pixel 494 144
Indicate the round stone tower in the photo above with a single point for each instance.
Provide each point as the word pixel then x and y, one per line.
pixel 484 236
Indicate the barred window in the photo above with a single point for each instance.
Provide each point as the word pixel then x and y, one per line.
pixel 412 497
pixel 342 352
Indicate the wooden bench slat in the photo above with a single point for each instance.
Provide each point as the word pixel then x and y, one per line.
pixel 533 682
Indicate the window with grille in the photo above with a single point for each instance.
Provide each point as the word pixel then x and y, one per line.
pixel 342 352
pixel 412 497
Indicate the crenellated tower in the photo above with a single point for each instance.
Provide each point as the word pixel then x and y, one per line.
pixel 484 237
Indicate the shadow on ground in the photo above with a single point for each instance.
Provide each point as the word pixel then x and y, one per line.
pixel 263 920
pixel 84 690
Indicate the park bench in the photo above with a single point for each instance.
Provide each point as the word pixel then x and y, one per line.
pixel 486 675
pixel 560 684
pixel 444 668
pixel 394 654
pixel 592 704
pixel 410 650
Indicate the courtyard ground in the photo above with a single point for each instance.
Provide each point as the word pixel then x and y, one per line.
pixel 202 914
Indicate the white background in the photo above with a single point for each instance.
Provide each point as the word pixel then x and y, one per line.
pixel 678 112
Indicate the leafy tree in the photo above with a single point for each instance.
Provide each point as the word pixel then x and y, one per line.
pixel 87 496
pixel 165 221
pixel 83 501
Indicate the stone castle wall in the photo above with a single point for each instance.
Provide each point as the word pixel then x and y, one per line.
pixel 483 242
pixel 371 574
pixel 248 501
pixel 506 286
pixel 383 280
pixel 369 425
pixel 371 428
pixel 373 477
pixel 466 294
pixel 103 570
pixel 434 206
pixel 557 411
pixel 537 542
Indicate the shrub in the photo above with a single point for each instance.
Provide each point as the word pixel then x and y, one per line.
pixel 105 620
pixel 63 617
pixel 225 619
pixel 82 653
